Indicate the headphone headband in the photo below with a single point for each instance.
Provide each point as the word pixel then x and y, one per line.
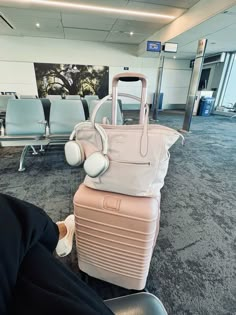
pixel 98 128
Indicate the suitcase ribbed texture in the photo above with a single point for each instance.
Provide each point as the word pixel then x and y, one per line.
pixel 115 235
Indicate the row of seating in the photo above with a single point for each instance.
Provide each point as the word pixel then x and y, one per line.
pixel 4 98
pixel 26 125
pixel 59 97
pixel 33 122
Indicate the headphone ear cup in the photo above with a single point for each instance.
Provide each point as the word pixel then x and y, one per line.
pixel 74 153
pixel 96 164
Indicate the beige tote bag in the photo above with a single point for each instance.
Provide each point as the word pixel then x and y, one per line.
pixel 138 154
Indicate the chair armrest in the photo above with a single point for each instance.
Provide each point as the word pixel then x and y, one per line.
pixel 127 120
pixel 46 126
pixel 43 122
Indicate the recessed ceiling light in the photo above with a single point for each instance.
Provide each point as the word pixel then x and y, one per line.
pixel 131 33
pixel 37 25
pixel 100 9
pixel 174 57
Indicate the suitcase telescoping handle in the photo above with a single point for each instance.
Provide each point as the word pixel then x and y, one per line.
pixel 124 77
pixel 129 77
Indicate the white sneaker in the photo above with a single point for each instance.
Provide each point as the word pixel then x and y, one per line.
pixel 64 245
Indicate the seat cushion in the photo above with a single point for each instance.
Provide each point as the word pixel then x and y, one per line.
pixel 64 115
pixel 25 117
pixel 137 304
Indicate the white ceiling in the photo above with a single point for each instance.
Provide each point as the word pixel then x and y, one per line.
pixel 81 25
pixel 219 30
pixel 115 28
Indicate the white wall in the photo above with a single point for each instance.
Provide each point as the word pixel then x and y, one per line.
pixel 215 75
pixel 175 82
pixel 18 77
pixel 17 55
pixel 230 93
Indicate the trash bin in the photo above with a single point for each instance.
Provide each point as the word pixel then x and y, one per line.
pixel 206 106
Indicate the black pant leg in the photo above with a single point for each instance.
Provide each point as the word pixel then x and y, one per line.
pixel 22 225
pixel 45 286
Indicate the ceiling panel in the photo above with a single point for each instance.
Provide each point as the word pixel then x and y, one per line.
pixel 24 23
pixel 218 41
pixel 220 31
pixel 48 34
pixel 184 4
pixel 46 25
pixel 5 29
pixel 121 37
pixel 85 20
pixel 107 3
pixel 136 26
pixel 86 35
pixel 211 26
pixel 115 28
pixel 17 13
pixel 153 8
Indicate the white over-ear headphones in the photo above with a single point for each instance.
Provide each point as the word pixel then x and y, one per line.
pixel 97 163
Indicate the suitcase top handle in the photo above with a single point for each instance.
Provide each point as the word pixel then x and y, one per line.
pixel 129 79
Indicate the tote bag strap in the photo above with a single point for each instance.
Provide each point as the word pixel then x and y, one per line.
pixel 109 96
pixel 145 112
pixel 144 138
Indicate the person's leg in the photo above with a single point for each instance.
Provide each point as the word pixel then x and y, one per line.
pixel 22 225
pixel 45 286
pixel 32 279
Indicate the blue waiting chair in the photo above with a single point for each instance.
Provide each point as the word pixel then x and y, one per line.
pixel 90 98
pixel 64 115
pixel 4 100
pixel 25 125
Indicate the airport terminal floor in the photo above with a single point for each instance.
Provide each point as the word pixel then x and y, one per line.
pixel 193 265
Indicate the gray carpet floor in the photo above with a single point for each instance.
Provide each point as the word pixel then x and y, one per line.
pixel 193 269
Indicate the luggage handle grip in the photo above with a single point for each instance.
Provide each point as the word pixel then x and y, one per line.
pixel 129 79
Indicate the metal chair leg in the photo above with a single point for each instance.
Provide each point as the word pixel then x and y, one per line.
pixel 22 158
pixel 34 151
pixel 41 149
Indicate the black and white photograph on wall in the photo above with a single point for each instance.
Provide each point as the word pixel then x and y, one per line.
pixel 71 79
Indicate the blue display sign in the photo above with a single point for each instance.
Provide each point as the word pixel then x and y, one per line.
pixel 153 46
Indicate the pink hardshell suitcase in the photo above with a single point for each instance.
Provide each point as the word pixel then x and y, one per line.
pixel 115 235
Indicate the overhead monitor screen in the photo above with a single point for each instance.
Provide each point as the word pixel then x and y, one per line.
pixel 153 46
pixel 170 47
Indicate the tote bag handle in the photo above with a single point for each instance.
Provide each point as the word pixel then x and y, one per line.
pixel 145 113
pixel 104 99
